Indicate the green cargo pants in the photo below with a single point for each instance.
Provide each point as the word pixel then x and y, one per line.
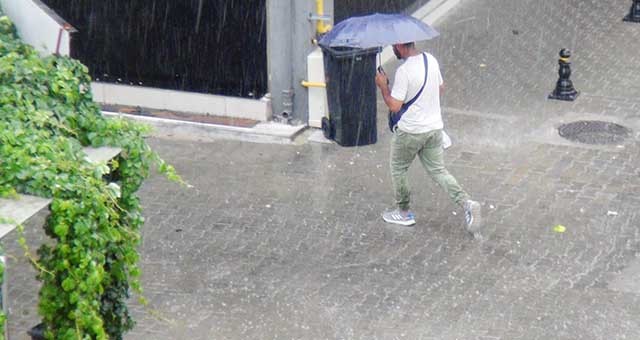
pixel 428 147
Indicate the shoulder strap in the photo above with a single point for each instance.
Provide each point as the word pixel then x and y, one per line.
pixel 426 72
pixel 394 118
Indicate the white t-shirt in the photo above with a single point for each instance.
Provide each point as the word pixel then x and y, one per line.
pixel 424 114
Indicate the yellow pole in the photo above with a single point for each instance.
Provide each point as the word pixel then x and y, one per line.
pixel 321 27
pixel 312 84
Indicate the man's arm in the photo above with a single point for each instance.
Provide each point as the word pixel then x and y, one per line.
pixel 383 83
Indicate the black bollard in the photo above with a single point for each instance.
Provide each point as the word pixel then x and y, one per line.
pixel 564 88
pixel 634 13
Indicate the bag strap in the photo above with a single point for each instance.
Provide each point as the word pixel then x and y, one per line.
pixel 394 118
pixel 426 72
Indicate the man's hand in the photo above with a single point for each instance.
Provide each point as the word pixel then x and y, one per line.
pixel 381 80
pixel 383 83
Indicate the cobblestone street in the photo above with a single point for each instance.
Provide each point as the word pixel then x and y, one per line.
pixel 286 241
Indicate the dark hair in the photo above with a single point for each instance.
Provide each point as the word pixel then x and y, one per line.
pixel 409 44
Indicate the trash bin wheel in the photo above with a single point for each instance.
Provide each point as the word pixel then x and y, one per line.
pixel 327 128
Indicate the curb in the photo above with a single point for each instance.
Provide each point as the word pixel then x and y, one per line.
pixel 435 10
pixel 264 132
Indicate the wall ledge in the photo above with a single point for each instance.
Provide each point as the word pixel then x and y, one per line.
pixel 173 100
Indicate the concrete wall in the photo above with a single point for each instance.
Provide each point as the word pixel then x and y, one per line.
pixel 39 26
pixel 181 101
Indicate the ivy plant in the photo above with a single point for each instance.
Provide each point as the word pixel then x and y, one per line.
pixel 47 115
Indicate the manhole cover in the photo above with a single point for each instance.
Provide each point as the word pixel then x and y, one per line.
pixel 594 132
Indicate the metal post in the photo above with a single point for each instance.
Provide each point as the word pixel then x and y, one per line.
pixel 289 41
pixel 303 33
pixel 279 46
pixel 564 87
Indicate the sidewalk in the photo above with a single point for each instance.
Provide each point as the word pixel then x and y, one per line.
pixel 286 241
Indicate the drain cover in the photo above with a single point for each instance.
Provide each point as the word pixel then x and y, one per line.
pixel 594 132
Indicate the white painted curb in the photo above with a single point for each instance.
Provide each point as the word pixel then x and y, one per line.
pixel 264 132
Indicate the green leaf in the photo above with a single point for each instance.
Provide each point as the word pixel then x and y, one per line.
pixel 61 229
pixel 68 284
pixel 114 189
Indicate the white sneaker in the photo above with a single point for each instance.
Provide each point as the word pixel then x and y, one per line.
pixel 473 216
pixel 397 217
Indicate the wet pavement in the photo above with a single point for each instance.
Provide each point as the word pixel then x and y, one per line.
pixel 286 241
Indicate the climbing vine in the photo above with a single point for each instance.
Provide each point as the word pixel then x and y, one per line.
pixel 47 115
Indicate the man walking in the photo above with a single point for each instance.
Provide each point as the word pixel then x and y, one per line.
pixel 419 133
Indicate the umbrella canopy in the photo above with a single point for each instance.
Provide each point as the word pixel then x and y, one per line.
pixel 377 30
